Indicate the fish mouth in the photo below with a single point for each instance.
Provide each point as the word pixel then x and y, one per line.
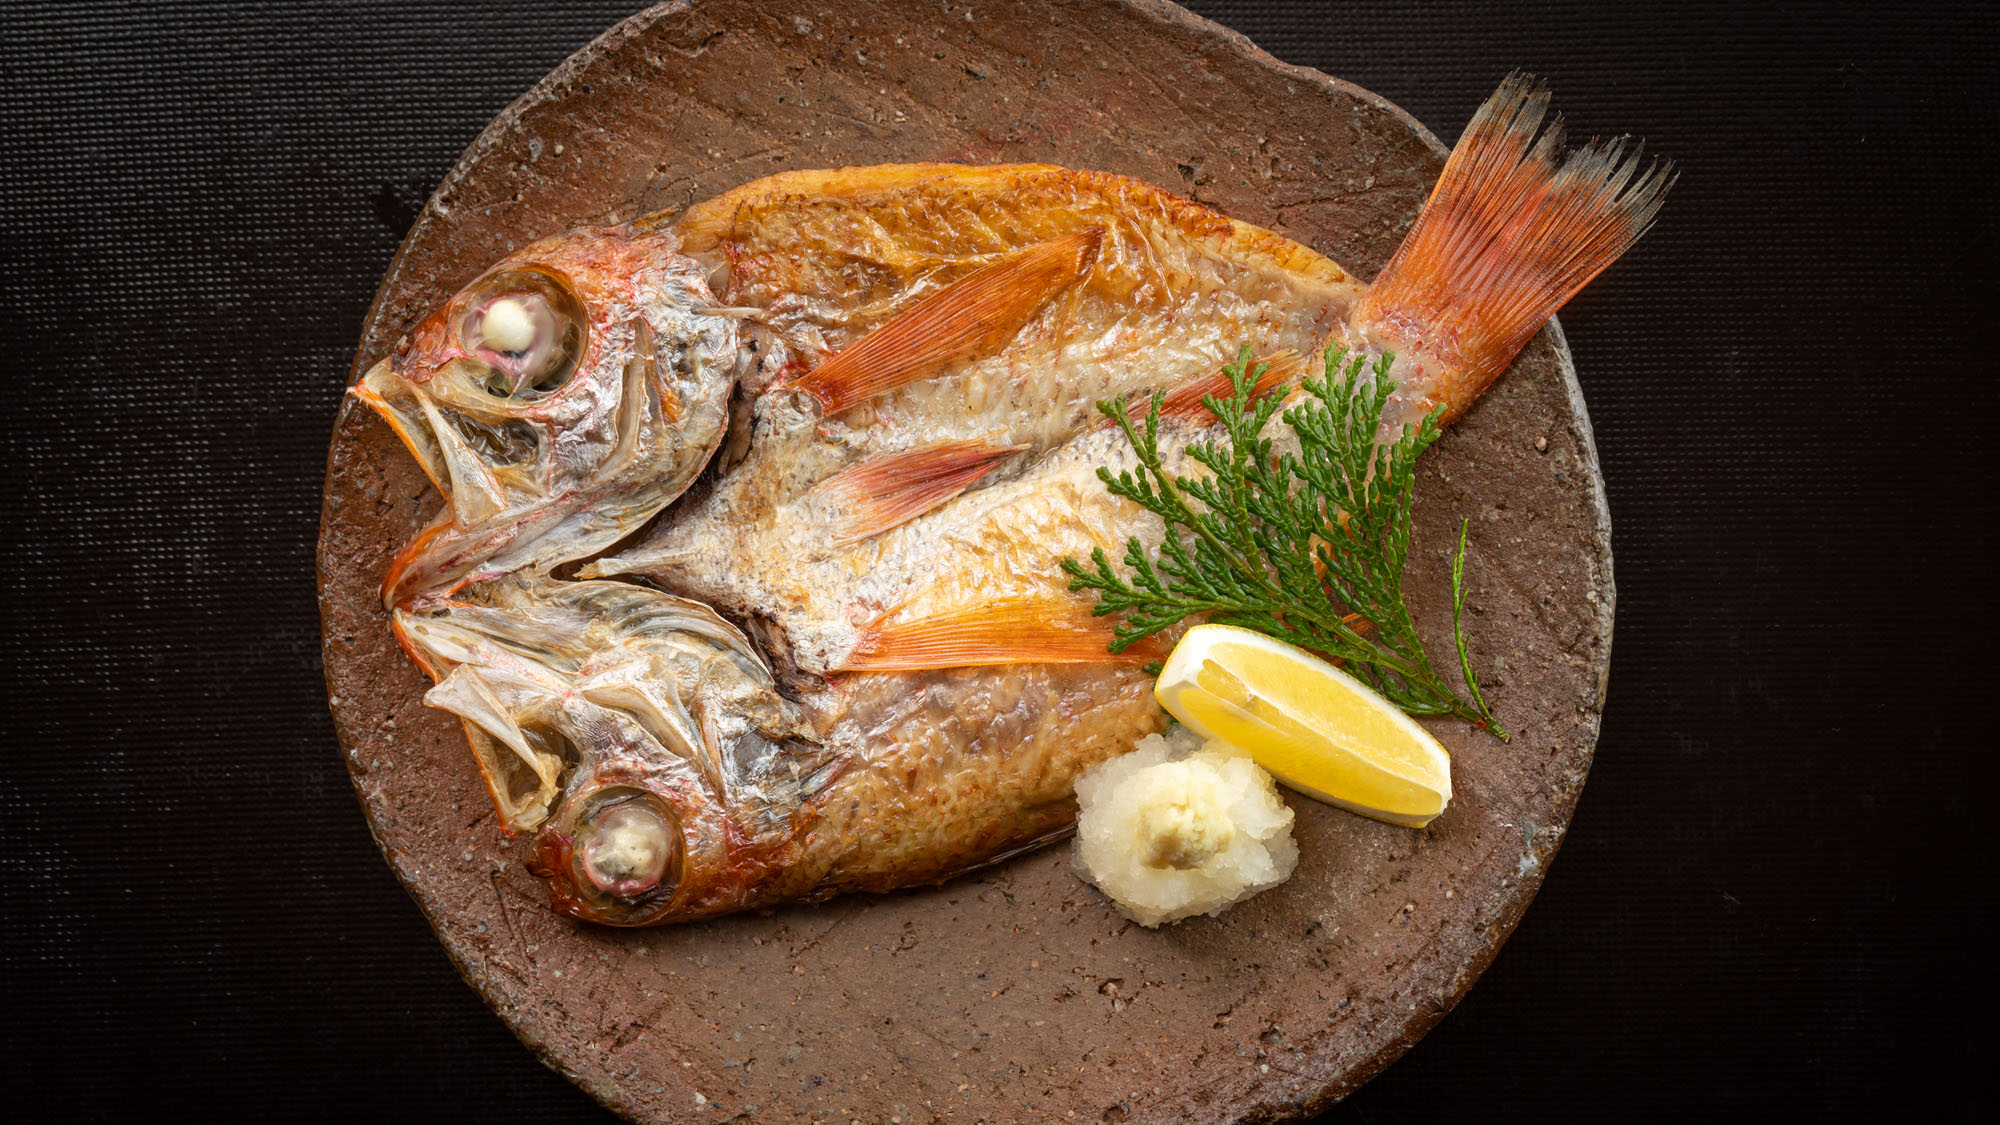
pixel 479 462
pixel 487 465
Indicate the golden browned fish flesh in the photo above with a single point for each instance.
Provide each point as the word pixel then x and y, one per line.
pixel 861 405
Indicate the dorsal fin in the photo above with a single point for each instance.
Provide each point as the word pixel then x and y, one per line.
pixel 974 315
pixel 872 496
pixel 1035 629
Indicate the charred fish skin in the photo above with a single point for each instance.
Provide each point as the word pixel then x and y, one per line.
pixel 920 446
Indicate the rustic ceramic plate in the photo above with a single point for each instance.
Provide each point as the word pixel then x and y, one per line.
pixel 1016 994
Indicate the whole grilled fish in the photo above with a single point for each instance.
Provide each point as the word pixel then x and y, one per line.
pixel 861 405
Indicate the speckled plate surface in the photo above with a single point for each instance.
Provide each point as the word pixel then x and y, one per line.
pixel 1016 994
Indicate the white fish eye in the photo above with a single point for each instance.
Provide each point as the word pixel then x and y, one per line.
pixel 527 327
pixel 626 847
pixel 509 324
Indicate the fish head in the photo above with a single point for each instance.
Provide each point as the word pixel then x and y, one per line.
pixel 557 402
pixel 640 736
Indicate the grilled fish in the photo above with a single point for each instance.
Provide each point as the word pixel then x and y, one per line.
pixel 835 430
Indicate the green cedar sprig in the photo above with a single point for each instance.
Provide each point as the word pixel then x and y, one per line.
pixel 1308 547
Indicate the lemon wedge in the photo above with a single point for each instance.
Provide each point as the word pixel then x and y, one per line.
pixel 1316 728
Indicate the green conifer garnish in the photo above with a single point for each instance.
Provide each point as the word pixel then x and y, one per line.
pixel 1308 547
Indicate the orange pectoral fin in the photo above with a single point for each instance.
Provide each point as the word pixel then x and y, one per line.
pixel 1030 630
pixel 1185 403
pixel 974 315
pixel 877 494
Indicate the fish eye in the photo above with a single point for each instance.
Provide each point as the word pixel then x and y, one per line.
pixel 628 845
pixel 527 327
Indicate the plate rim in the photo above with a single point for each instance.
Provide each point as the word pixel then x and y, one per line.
pixel 1543 847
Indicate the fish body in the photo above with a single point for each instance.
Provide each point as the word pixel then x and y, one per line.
pixel 862 406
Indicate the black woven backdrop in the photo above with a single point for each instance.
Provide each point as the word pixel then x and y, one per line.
pixel 1775 889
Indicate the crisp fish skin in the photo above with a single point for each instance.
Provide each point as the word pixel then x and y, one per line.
pixel 854 413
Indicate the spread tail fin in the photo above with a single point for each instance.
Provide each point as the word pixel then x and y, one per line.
pixel 1512 231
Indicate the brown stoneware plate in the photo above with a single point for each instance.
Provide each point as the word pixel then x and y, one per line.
pixel 1016 994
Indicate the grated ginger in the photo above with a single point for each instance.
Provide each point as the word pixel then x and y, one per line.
pixel 1176 828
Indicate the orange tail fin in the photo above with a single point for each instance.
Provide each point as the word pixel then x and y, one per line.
pixel 1026 630
pixel 881 492
pixel 977 313
pixel 1508 236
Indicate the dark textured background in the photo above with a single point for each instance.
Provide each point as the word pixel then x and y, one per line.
pixel 1775 894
